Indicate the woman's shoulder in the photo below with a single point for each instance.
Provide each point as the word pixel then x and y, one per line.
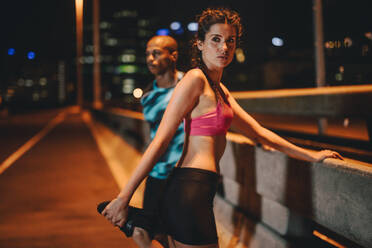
pixel 196 73
pixel 195 77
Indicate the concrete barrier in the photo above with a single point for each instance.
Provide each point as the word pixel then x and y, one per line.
pixel 292 197
pixel 267 199
pixel 335 101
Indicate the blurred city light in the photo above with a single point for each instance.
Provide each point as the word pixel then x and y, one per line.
pixel 368 35
pixel 346 122
pixel 128 86
pixel 127 69
pixel 35 96
pixel 163 31
pixel 348 42
pixel 31 55
pixel 126 13
pixel 88 60
pixel 365 50
pixel 11 51
pixel 192 26
pixel 105 25
pixel 334 44
pixel 137 93
pixel 43 81
pixel 240 57
pixel 29 82
pixel 175 25
pixel 338 76
pixel 108 95
pixel 179 31
pixel 44 94
pixel 21 82
pixel 128 58
pixel 143 23
pixel 277 41
pixel 111 42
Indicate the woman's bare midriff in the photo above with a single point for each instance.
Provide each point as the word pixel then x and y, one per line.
pixel 203 152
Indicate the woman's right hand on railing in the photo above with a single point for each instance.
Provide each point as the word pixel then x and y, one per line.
pixel 319 156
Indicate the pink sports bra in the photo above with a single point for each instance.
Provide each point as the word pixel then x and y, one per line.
pixel 216 122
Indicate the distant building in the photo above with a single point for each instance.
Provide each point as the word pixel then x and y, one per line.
pixel 123 37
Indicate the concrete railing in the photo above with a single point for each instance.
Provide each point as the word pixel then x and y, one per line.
pixel 297 199
pixel 336 101
pixel 267 199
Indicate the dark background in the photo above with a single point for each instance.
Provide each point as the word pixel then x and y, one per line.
pixel 48 28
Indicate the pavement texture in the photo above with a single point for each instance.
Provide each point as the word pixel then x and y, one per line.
pixel 49 195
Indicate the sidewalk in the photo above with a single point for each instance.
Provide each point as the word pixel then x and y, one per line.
pixel 49 195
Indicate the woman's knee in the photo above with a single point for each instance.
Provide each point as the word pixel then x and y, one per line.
pixel 140 235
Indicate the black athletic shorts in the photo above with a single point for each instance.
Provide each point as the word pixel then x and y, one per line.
pixel 154 190
pixel 187 206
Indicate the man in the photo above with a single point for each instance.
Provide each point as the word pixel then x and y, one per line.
pixel 161 58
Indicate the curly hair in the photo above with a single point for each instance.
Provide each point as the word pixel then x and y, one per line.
pixel 205 20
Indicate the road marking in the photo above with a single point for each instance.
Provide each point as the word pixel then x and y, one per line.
pixel 30 143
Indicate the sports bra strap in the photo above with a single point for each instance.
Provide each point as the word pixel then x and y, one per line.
pixel 218 88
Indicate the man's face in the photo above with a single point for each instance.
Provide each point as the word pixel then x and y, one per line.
pixel 158 58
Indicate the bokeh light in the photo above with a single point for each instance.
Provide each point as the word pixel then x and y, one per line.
pixel 137 93
pixel 277 41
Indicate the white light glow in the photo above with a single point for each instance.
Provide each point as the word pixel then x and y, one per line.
pixel 240 57
pixel 128 58
pixel 175 25
pixel 193 26
pixel 43 81
pixel 128 85
pixel 277 41
pixel 137 93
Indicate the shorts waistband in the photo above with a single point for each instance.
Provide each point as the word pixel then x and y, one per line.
pixel 195 174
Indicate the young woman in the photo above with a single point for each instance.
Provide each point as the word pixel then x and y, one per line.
pixel 207 109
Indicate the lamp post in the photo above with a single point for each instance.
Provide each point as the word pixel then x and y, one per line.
pixel 319 56
pixel 97 103
pixel 79 50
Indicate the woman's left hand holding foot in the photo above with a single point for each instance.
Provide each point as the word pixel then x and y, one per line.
pixel 116 212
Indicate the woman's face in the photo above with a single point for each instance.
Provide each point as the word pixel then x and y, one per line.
pixel 219 45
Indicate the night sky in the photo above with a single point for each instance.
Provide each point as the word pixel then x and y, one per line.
pixel 47 26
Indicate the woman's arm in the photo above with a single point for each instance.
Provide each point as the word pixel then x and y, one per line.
pixel 248 126
pixel 183 100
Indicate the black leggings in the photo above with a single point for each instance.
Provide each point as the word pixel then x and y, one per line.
pixel 187 207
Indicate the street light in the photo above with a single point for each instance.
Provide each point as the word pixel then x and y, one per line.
pixel 97 103
pixel 79 50
pixel 319 55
